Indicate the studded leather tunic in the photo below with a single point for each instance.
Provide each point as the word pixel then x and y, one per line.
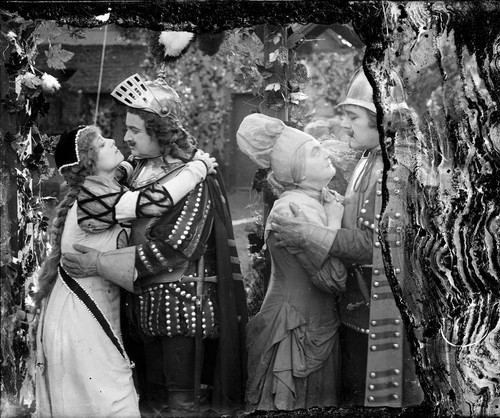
pixel 168 252
pixel 368 305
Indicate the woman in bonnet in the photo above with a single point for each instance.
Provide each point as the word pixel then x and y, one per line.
pixel 82 367
pixel 293 342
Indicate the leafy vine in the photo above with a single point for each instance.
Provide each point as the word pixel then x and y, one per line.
pixel 22 103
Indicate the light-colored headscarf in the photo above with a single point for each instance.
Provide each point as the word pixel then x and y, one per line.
pixel 271 144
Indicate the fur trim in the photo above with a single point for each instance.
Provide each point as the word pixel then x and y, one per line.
pixel 175 43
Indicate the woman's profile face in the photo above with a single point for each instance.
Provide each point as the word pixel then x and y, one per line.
pixel 109 156
pixel 318 165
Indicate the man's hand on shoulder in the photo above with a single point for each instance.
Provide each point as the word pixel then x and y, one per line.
pixel 289 231
pixel 82 264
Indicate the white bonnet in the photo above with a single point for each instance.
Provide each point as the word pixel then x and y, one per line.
pixel 270 143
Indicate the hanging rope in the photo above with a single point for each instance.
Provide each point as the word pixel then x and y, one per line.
pixel 100 74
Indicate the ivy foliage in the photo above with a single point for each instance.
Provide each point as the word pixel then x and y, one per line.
pixel 22 106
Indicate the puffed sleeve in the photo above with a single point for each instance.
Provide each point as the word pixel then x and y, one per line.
pixel 176 238
pixel 103 202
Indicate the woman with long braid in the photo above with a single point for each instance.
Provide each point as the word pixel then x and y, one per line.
pixel 83 369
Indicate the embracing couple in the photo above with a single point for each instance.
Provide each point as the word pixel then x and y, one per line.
pixel 329 331
pixel 156 259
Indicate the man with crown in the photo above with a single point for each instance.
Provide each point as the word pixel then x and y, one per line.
pixel 187 303
pixel 378 368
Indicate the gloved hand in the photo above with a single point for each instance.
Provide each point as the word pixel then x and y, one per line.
pixel 209 162
pixel 81 265
pixel 315 240
pixel 291 232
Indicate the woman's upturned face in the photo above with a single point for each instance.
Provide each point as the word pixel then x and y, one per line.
pixel 141 144
pixel 318 168
pixel 356 122
pixel 109 156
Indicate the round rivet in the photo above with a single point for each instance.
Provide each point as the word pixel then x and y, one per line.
pixel 377 216
pixel 362 330
pixel 397 321
pixel 377 244
pixel 367 201
pixel 397 371
pixel 379 192
pixel 396 191
pixel 366 223
pixel 363 210
pixel 373 336
pixel 395 384
pixel 397 334
pixel 373 375
pixel 374 323
pixel 379 180
pixel 397 271
pixel 372 226
pixel 396 179
pixel 371 398
pixel 395 346
pixel 376 271
pixel 375 296
pixel 397 215
pixel 398 243
pixel 360 219
pixel 371 387
pixel 376 284
pixel 373 348
pixel 395 396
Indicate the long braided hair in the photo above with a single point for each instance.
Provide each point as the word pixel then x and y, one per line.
pixel 74 176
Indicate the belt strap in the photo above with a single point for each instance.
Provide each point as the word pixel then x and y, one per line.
pixel 84 297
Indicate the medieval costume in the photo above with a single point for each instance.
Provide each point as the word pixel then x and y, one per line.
pixel 293 342
pixel 187 312
pixel 378 368
pixel 86 374
pixel 189 297
pixel 82 367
